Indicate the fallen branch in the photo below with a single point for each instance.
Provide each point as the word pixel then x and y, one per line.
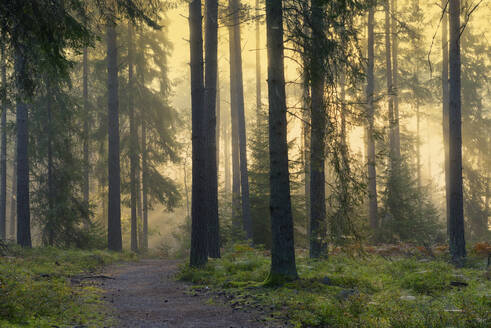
pixel 92 277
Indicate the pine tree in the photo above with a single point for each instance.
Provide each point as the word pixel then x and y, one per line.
pixel 114 207
pixel 199 240
pixel 283 250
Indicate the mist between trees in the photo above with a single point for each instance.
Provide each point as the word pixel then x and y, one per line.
pixel 187 127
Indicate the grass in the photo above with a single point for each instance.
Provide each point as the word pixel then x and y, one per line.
pixel 36 290
pixel 346 291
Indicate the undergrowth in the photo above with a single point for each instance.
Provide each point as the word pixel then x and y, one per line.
pixel 347 291
pixel 36 289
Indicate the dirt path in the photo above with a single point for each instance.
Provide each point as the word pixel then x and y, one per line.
pixel 145 294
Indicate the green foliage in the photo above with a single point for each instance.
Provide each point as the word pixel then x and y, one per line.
pixel 476 135
pixel 353 292
pixel 259 186
pixel 57 167
pixel 36 291
pixel 408 213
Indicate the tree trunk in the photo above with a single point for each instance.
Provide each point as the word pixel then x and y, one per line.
pixel 318 135
pixel 226 155
pixel 3 151
pixel 133 143
pixel 86 134
pixel 258 66
pixel 395 85
pixel 13 196
pixel 218 127
pixel 234 119
pixel 283 247
pixel 139 204
pixel 456 226
pixel 23 204
pixel 211 42
pixel 306 117
pixel 199 240
pixel 418 145
pixel 114 198
pixel 51 187
pixel 372 174
pixel 236 61
pixel 445 105
pixel 390 86
pixel 145 184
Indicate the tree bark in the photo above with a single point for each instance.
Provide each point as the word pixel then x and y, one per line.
pixel 258 66
pixel 51 187
pixel 238 94
pixel 23 204
pixel 13 196
pixel 211 43
pixel 371 167
pixel 418 144
pixel 3 151
pixel 145 184
pixel 306 117
pixel 114 198
pixel 199 240
pixel 318 135
pixel 283 249
pixel 445 105
pixel 226 155
pixel 395 82
pixel 133 143
pixel 390 86
pixel 86 134
pixel 218 126
pixel 234 119
pixel 456 226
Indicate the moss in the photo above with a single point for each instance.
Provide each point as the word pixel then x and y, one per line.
pixel 381 288
pixel 35 287
pixel 277 279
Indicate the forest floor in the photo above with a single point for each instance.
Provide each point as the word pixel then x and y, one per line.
pixel 383 286
pixel 146 294
pixel 377 287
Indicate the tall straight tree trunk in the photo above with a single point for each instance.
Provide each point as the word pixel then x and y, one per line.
pixel 236 61
pixel 13 195
pixel 418 145
pixel 306 117
pixel 234 119
pixel 145 184
pixel 211 59
pixel 306 151
pixel 3 151
pixel 445 105
pixel 23 204
pixel 428 140
pixel 218 126
pixel 141 169
pixel 199 229
pixel 370 131
pixel 258 66
pixel 390 86
pixel 283 247
pixel 114 238
pixel 456 226
pixel 133 143
pixel 226 155
pixel 342 96
pixel 395 83
pixel 51 187
pixel 318 135
pixel 86 140
pixel 139 204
